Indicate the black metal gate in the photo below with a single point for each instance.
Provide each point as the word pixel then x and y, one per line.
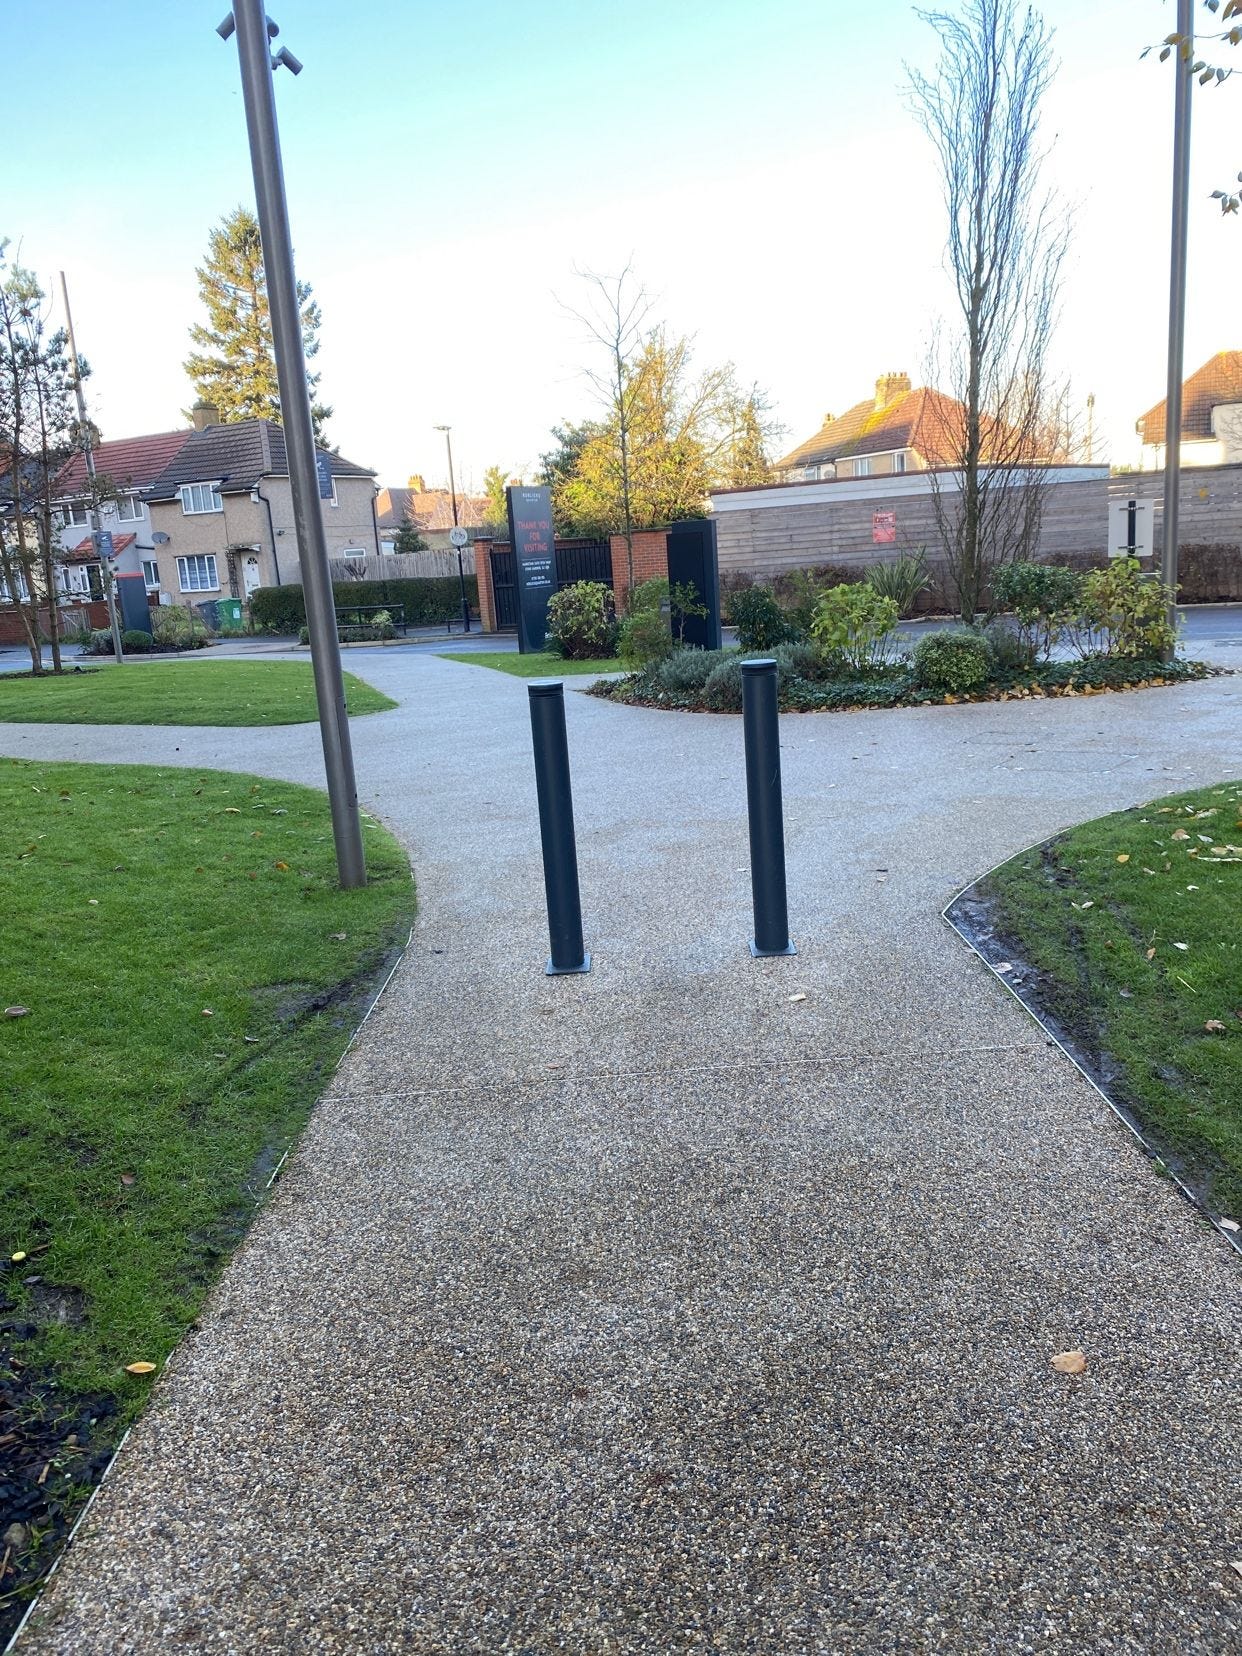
pixel 504 591
pixel 576 560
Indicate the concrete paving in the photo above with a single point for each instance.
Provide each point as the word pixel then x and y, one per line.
pixel 659 1309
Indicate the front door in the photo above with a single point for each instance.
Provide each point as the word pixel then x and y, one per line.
pixel 250 573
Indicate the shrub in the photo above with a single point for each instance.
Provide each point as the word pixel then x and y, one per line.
pixel 644 637
pixel 580 619
pixel 98 641
pixel 732 582
pixel 1011 650
pixel 685 670
pixel 760 621
pixel 424 600
pixel 798 660
pixel 648 595
pixel 956 660
pixel 684 604
pixel 1041 597
pixel 722 691
pixel 1121 612
pixel 134 641
pixel 855 624
pixel 902 579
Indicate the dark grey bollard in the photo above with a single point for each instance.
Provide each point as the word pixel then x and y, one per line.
pixel 556 828
pixel 761 727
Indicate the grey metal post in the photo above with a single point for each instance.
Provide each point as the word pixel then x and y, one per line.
pixel 1177 308
pixel 761 731
pixel 254 57
pixel 461 572
pixel 556 828
pixel 88 454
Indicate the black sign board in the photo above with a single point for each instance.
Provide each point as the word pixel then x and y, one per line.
pixel 534 557
pixel 323 470
pixel 692 562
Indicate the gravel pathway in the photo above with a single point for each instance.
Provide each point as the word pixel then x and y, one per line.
pixel 658 1310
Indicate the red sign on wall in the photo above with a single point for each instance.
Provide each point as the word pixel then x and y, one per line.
pixel 883 528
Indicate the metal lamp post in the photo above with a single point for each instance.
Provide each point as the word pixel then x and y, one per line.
pixel 1177 311
pixel 253 30
pixel 457 537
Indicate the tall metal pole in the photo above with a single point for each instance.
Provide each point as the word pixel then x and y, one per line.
pixel 254 57
pixel 461 573
pixel 88 454
pixel 1177 302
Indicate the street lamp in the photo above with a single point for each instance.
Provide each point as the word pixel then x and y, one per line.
pixel 457 535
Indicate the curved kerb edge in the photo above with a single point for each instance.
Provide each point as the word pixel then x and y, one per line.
pixel 1123 1116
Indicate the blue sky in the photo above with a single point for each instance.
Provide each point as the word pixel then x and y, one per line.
pixel 450 165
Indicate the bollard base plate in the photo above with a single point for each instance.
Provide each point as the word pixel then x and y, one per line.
pixel 551 970
pixel 768 954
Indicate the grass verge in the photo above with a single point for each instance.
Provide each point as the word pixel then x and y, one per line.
pixel 1130 927
pixel 177 693
pixel 190 973
pixel 539 664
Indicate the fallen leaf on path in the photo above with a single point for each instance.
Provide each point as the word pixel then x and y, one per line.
pixel 1230 1225
pixel 1069 1362
pixel 797 997
pixel 140 1368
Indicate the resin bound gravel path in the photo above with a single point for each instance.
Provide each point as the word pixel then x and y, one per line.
pixel 664 1308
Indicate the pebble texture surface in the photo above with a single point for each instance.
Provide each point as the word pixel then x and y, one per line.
pixel 657 1310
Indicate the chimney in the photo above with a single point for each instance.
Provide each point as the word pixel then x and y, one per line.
pixel 204 414
pixel 828 419
pixel 888 388
pixel 416 483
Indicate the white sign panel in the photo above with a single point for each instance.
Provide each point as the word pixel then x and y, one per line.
pixel 1131 528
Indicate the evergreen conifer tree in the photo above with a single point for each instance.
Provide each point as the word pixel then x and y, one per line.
pixel 234 366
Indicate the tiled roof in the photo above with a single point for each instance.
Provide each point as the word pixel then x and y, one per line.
pixel 86 548
pixel 1218 381
pixel 922 420
pixel 135 461
pixel 238 454
pixel 429 509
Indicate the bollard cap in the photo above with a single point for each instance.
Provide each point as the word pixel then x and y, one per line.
pixel 766 664
pixel 546 687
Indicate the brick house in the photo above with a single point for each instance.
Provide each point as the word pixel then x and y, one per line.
pixel 222 511
pixel 430 511
pixel 898 430
pixel 1211 432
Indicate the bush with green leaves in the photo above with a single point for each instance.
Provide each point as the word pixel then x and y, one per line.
pixel 645 634
pixel 581 621
pixel 685 670
pixel 955 660
pixel 136 642
pixel 799 660
pixel 1011 650
pixel 722 691
pixel 902 579
pixel 1123 612
pixel 854 625
pixel 760 621
pixel 1042 599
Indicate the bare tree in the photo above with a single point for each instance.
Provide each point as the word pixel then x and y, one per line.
pixel 614 319
pixel 1007 238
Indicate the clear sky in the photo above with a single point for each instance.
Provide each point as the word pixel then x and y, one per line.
pixel 450 165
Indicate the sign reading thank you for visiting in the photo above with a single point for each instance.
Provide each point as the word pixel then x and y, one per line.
pixel 534 560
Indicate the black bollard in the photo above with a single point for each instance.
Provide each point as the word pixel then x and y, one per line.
pixel 761 727
pixel 556 828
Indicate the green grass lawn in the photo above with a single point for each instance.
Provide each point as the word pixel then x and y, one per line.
pixel 1134 921
pixel 191 973
pixel 177 693
pixel 539 664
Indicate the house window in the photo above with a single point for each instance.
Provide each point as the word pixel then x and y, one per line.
pixel 200 497
pixel 23 591
pixel 129 508
pixel 198 574
pixel 151 574
pixel 862 468
pixel 899 460
pixel 74 580
pixel 73 511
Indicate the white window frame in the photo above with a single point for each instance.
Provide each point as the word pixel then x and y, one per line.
pixel 194 494
pixel 899 460
pixel 196 559
pixel 70 511
pixel 23 589
pixel 151 574
pixel 134 503
pixel 862 466
pixel 74 580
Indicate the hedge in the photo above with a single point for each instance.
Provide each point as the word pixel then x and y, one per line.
pixel 425 600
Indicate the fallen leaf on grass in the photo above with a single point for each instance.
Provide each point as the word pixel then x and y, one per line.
pixel 128 1178
pixel 1090 903
pixel 1151 954
pixel 251 1040
pixel 1215 1026
pixel 1184 947
pixel 1069 1362
pixel 282 866
pixel 1126 994
pixel 1179 834
pixel 207 1012
pixel 140 1368
pixel 18 1257
pixel 232 810
pixel 17 1011
pixel 338 937
pixel 1124 857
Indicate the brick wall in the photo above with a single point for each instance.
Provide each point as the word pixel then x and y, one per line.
pixel 483 572
pixel 650 561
